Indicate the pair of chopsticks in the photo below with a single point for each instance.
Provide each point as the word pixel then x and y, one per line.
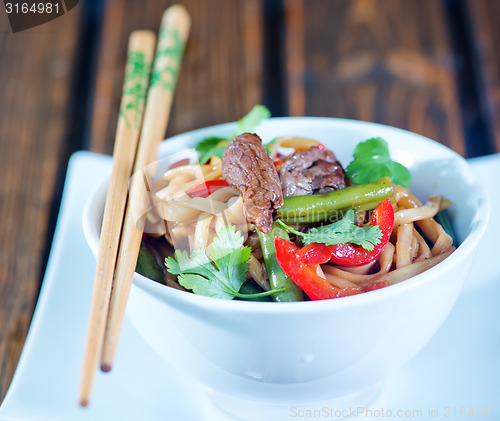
pixel 142 122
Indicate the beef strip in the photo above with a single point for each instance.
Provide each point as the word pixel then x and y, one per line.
pixel 247 166
pixel 312 171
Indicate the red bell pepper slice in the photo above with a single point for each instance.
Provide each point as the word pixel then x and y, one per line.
pixel 207 188
pixel 278 162
pixel 306 276
pixel 347 254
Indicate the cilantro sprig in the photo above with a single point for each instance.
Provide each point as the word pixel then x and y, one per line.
pixel 215 146
pixel 343 231
pixel 372 161
pixel 218 271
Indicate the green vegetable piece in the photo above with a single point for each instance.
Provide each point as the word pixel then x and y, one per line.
pixel 372 161
pixel 251 288
pixel 209 147
pixel 256 115
pixel 148 266
pixel 230 256
pixel 331 206
pixel 270 145
pixel 277 277
pixel 443 218
pixel 215 146
pixel 342 231
pixel 218 272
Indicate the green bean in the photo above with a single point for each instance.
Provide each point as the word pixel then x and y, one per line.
pixel 277 277
pixel 323 207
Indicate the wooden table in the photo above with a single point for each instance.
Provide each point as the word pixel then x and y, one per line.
pixel 428 66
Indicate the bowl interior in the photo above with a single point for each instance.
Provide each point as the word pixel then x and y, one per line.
pixel 435 169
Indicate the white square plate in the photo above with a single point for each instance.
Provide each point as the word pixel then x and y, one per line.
pixel 456 376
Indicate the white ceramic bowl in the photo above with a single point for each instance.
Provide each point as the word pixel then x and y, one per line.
pixel 298 353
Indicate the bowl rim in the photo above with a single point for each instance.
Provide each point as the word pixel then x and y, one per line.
pixel 476 230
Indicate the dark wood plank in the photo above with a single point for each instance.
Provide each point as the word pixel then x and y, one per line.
pixel 221 75
pixel 35 71
pixel 484 15
pixel 387 61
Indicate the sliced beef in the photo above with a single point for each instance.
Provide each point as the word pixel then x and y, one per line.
pixel 247 166
pixel 311 171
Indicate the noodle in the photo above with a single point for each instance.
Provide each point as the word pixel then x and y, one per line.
pixel 219 222
pixel 257 272
pixel 203 204
pixel 403 245
pixel 423 248
pixel 202 230
pixel 342 283
pixel 384 260
pixel 192 222
pixel 177 213
pixel 414 245
pixel 409 271
pixel 405 216
pixel 179 236
pixel 224 194
pixel 422 215
pixel 443 241
pixel 417 241
pixel 399 193
pixel 362 270
pixel 296 142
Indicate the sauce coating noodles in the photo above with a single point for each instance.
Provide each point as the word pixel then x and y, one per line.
pixel 417 241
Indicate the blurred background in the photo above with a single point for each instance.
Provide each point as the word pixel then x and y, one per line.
pixel 428 66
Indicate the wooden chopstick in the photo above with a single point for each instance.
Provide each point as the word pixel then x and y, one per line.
pixel 174 31
pixel 139 58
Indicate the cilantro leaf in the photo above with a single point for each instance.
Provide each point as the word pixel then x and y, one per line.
pixel 342 231
pixel 229 255
pixel 217 272
pixel 215 146
pixel 249 122
pixel 210 146
pixel 199 285
pixel 372 161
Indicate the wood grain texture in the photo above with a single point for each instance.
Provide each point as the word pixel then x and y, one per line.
pixel 35 73
pixel 387 61
pixel 221 75
pixel 484 15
